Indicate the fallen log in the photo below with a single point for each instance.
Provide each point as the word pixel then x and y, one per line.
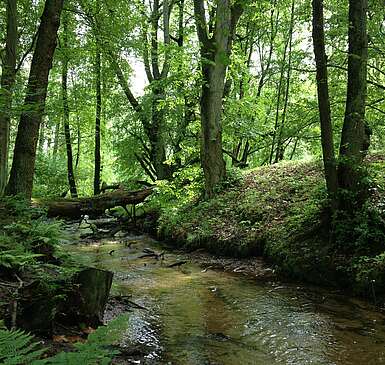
pixel 177 264
pixel 96 205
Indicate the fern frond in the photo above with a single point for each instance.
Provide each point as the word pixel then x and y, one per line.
pixel 97 350
pixel 18 347
pixel 87 354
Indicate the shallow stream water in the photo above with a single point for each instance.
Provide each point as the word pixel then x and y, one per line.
pixel 195 316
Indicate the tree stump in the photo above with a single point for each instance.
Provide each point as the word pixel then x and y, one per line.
pixel 88 302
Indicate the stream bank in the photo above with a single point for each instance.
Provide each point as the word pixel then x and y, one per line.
pixel 206 312
pixel 196 309
pixel 278 212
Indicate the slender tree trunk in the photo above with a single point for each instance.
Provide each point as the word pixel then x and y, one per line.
pixel 153 126
pixel 98 112
pixel 78 144
pixel 155 134
pixel 355 138
pixel 265 69
pixel 66 112
pixel 40 144
pixel 49 140
pixel 97 121
pixel 23 165
pixel 273 33
pixel 324 102
pixel 186 111
pixel 235 152
pixel 7 83
pixel 280 150
pixel 237 147
pixel 294 149
pixel 278 104
pixel 78 137
pixel 56 139
pixel 245 154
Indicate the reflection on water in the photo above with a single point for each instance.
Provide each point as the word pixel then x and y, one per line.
pixel 196 317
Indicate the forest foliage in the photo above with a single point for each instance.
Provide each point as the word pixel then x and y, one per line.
pixel 188 95
pixel 147 94
pixel 258 125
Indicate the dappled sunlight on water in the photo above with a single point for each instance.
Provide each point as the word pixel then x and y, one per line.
pixel 194 316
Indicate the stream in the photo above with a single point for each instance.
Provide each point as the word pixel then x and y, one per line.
pixel 198 316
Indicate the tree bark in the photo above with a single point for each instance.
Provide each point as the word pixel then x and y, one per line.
pixel 97 125
pixel 98 113
pixel 23 165
pixel 355 137
pixel 7 83
pixel 56 139
pixel 96 205
pixel 280 150
pixel 153 124
pixel 155 134
pixel 215 54
pixel 327 142
pixel 41 141
pixel 88 302
pixel 274 20
pixel 66 112
pixel 279 91
pixel 157 76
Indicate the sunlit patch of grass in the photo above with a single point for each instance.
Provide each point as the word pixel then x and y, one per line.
pixel 238 220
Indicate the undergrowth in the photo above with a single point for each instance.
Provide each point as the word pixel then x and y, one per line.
pixel 17 347
pixel 280 212
pixel 31 257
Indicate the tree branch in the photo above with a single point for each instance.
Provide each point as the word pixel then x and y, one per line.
pixel 200 21
pixel 27 52
pixel 166 36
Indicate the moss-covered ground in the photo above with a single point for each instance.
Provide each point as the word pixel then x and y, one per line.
pixel 279 212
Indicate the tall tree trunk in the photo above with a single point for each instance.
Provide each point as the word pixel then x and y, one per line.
pixel 245 155
pixel 186 111
pixel 215 54
pixel 98 112
pixel 78 137
pixel 7 83
pixel 237 147
pixel 280 150
pixel 278 104
pixel 78 144
pixel 66 112
pixel 40 144
pixel 56 139
pixel 155 134
pixel 324 102
pixel 97 121
pixel 23 165
pixel 355 138
pixel 153 126
pixel 274 19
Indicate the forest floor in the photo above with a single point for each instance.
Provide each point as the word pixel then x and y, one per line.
pixel 271 213
pixel 278 212
pixel 24 229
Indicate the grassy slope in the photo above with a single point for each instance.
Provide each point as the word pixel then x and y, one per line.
pixel 276 211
